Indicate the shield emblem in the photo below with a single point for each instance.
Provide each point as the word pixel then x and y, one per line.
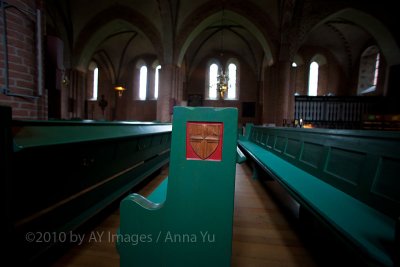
pixel 204 138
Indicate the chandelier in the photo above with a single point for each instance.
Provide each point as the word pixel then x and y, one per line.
pixel 222 78
pixel 222 84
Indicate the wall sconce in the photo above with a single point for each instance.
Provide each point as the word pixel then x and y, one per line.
pixel 120 89
pixel 65 80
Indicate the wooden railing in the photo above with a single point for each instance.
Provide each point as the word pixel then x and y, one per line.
pixel 337 111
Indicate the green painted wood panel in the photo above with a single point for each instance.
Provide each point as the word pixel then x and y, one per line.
pixel 193 227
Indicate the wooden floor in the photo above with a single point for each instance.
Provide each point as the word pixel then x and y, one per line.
pixel 262 236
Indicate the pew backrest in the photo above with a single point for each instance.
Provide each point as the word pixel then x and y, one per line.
pixel 347 179
pixel 363 164
pixel 59 174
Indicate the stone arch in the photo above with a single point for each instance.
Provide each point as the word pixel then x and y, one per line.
pixel 103 24
pixel 231 15
pixel 373 26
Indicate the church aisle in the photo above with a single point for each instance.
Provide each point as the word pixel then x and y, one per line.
pixel 262 235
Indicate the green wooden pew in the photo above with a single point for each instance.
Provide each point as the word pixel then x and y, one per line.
pixel 190 225
pixel 348 179
pixel 60 174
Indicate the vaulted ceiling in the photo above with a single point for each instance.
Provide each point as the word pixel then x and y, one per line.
pixel 257 31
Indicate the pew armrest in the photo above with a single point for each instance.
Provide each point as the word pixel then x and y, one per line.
pixel 240 157
pixel 154 201
pixel 143 202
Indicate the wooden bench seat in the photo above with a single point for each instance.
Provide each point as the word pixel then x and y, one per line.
pixel 370 231
pixel 160 192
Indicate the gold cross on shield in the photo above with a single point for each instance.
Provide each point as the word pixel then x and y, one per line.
pixel 204 138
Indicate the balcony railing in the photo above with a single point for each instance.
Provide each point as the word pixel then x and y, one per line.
pixel 342 112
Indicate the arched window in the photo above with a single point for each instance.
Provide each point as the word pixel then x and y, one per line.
pixel 214 70
pixel 212 81
pixel 232 74
pixel 376 71
pixel 92 81
pixel 313 79
pixel 95 88
pixel 369 70
pixel 143 83
pixel 156 81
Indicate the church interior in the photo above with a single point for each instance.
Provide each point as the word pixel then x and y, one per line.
pixel 320 78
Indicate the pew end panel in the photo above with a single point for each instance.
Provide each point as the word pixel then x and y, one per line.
pixel 193 226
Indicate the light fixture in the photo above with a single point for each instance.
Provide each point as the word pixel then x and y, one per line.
pixel 222 78
pixel 222 84
pixel 119 89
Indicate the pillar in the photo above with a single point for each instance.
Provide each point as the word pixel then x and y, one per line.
pixel 167 93
pixel 283 92
pixel 276 93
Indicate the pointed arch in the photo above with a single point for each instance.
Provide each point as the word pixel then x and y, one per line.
pixel 373 26
pixel 231 15
pixel 104 24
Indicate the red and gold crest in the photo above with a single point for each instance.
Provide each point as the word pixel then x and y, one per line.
pixel 204 140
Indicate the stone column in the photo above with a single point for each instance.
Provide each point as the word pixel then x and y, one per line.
pixel 292 90
pixel 268 112
pixel 283 92
pixel 165 100
pixel 73 94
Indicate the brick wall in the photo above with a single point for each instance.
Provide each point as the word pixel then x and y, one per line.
pixel 22 61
